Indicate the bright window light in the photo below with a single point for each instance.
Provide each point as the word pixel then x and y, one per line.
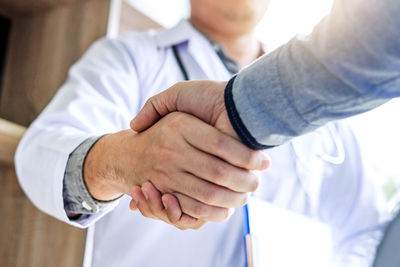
pixel 286 18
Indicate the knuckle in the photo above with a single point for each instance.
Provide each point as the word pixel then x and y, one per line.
pixel 176 122
pixel 218 144
pixel 221 173
pixel 210 196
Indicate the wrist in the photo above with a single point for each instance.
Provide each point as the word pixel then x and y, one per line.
pixel 236 122
pixel 99 172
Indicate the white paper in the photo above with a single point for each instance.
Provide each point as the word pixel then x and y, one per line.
pixel 283 238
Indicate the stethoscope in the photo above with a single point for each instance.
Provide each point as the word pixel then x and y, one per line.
pixel 336 159
pixel 303 168
pixel 179 61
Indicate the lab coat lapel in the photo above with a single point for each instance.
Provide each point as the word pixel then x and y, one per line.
pixel 198 56
pixel 200 49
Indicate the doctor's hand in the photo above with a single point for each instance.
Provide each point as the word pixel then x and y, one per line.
pixel 166 207
pixel 182 155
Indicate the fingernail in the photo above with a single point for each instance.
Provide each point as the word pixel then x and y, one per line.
pixel 145 195
pixel 164 204
pixel 132 123
pixel 135 199
pixel 265 161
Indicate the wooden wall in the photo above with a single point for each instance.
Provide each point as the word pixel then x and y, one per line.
pixel 31 238
pixel 47 36
pixel 42 47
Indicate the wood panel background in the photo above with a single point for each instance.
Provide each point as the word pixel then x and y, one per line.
pixel 46 38
pixel 10 135
pixel 42 47
pixel 29 238
pixel 24 7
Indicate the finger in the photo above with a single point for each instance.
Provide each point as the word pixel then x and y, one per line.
pixel 219 172
pixel 137 193
pixel 164 205
pixel 206 192
pixel 208 139
pixel 133 205
pixel 153 199
pixel 173 209
pixel 154 109
pixel 185 220
pixel 200 210
pixel 171 212
pixel 153 207
pixel 203 99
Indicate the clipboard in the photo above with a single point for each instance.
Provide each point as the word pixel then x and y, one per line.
pixel 279 237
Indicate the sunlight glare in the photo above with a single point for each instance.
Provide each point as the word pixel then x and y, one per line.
pixel 286 18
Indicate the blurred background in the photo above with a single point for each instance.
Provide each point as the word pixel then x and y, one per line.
pixel 41 39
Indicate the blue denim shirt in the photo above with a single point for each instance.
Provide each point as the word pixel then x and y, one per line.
pixel 348 65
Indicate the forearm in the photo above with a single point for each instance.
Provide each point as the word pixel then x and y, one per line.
pixel 348 65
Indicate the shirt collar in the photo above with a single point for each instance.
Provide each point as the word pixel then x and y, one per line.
pixel 180 33
pixel 185 32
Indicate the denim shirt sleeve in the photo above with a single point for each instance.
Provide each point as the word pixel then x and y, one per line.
pixel 77 199
pixel 348 65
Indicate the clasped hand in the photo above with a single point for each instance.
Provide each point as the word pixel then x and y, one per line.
pixel 181 169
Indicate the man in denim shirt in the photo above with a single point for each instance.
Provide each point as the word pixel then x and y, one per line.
pixel 348 65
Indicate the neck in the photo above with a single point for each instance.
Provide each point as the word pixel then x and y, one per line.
pixel 242 47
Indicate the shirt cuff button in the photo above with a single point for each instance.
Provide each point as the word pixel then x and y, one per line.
pixel 86 206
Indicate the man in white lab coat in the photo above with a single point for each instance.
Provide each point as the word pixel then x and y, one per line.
pixel 77 158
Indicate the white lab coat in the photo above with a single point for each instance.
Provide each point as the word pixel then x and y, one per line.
pixel 104 91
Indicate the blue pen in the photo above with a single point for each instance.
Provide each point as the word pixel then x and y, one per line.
pixel 247 237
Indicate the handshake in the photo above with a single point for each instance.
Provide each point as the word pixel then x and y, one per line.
pixel 181 162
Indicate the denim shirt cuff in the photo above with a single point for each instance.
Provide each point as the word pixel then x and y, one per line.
pixel 237 122
pixel 77 199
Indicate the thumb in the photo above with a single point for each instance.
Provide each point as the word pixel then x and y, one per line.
pixel 146 117
pixel 203 99
pixel 154 109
